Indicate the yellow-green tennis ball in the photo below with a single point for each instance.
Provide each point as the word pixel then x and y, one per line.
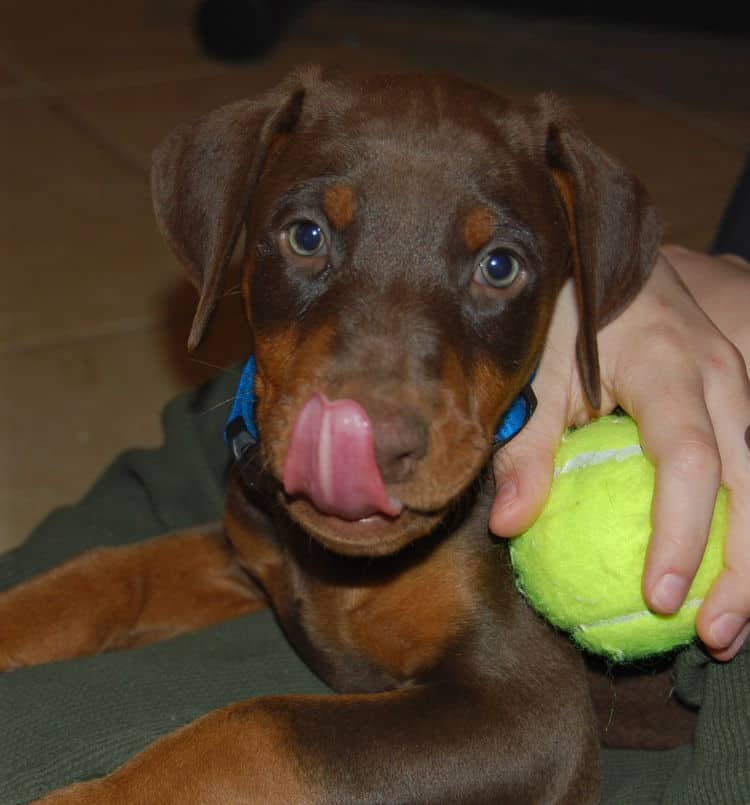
pixel 580 565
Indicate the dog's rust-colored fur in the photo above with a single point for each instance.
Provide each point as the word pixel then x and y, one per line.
pixel 451 689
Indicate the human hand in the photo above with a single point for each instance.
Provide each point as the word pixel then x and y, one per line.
pixel 668 365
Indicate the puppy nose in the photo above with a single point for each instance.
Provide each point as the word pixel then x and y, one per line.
pixel 401 440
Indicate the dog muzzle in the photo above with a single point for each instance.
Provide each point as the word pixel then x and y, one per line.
pixel 329 424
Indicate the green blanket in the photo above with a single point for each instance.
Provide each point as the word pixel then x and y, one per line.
pixel 79 719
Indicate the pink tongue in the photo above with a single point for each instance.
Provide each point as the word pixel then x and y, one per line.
pixel 331 460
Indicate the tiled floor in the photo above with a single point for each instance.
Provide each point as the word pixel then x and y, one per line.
pixel 93 310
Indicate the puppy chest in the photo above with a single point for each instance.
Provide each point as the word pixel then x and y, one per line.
pixel 404 625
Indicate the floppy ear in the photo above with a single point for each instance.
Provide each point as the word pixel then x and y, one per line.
pixel 202 179
pixel 614 233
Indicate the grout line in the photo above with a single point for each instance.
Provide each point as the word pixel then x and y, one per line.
pixel 38 90
pixel 127 159
pixel 110 329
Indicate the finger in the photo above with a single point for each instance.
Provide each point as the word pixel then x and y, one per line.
pixel 682 445
pixel 726 610
pixel 740 642
pixel 524 467
pixel 523 473
pixel 724 631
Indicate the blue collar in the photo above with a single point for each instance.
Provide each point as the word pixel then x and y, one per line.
pixel 241 431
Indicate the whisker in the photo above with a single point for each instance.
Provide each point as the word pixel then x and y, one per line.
pixel 223 369
pixel 228 401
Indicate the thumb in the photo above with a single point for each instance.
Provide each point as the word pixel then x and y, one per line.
pixel 525 466
pixel 523 470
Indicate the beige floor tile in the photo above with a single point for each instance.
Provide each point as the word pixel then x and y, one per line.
pixel 79 246
pixel 6 79
pixel 62 418
pixel 63 41
pixel 699 78
pixel 67 411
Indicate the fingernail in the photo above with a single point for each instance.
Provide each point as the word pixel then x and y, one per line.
pixel 724 629
pixel 669 593
pixel 740 642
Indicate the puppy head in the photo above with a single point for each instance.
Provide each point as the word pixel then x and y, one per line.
pixel 407 237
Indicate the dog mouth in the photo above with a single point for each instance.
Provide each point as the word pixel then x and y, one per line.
pixel 333 487
pixel 373 535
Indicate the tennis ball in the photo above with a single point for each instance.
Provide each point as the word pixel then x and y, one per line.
pixel 580 564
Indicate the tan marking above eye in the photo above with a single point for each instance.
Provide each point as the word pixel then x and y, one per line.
pixel 479 227
pixel 339 204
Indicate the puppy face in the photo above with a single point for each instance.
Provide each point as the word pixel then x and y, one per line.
pixel 407 260
pixel 407 237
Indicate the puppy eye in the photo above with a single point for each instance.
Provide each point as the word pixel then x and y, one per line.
pixel 498 269
pixel 306 239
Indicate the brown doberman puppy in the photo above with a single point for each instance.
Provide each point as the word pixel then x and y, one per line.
pixel 407 237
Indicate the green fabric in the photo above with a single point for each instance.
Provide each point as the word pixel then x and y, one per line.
pixel 79 719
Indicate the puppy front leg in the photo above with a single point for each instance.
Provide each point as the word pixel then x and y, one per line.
pixel 239 754
pixel 120 597
pixel 423 744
